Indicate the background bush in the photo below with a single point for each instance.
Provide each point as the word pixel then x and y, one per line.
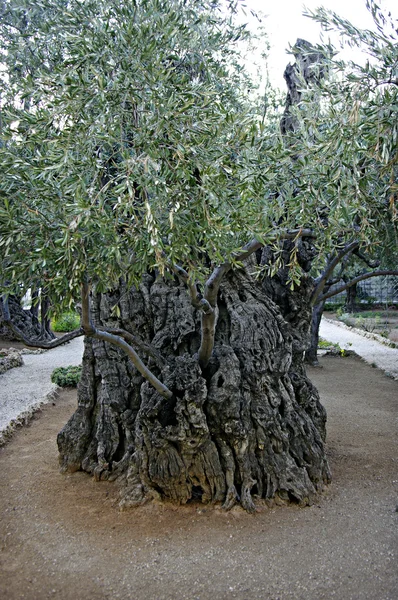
pixel 64 322
pixel 67 376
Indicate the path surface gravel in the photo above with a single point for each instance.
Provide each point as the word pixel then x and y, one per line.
pixel 24 388
pixel 372 351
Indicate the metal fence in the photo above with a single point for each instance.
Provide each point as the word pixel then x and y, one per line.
pixel 378 290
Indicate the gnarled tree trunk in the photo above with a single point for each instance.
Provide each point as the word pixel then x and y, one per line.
pixel 249 424
pixel 27 321
pixel 311 353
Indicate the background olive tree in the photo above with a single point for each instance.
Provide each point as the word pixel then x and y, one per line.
pixel 355 153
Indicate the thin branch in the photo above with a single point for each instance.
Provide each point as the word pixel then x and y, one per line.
pixel 114 337
pixel 248 249
pixel 334 260
pixel 333 281
pixel 197 299
pixel 388 81
pixel 372 264
pixel 352 282
pixel 143 346
pixel 116 340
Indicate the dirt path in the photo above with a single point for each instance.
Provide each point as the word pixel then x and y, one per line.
pixel 62 536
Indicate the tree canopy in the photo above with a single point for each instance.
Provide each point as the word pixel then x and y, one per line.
pixel 129 143
pixel 125 129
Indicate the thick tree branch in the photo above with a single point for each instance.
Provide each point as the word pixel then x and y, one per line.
pixel 209 319
pixel 352 282
pixel 116 340
pixel 333 281
pixel 87 324
pixel 372 264
pixel 332 263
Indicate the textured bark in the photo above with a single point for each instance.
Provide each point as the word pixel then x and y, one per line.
pixel 309 67
pixel 26 321
pixel 311 353
pixel 249 424
pixel 45 321
pixel 34 307
pixel 351 299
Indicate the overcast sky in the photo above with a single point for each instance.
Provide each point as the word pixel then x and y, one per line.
pixel 284 23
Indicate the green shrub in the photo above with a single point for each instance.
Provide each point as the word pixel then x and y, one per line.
pixel 326 345
pixel 67 376
pixel 344 317
pixel 367 314
pixel 67 321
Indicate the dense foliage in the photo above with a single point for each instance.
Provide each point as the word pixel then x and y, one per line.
pixel 125 129
pixel 362 113
pixel 66 376
pixel 132 153
pixel 67 321
pixel 129 144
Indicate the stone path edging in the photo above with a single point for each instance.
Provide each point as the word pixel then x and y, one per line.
pixel 365 334
pixel 23 390
pixel 369 347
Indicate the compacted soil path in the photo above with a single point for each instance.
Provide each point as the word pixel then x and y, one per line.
pixel 63 537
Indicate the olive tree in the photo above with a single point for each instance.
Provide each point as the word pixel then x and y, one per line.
pixel 357 144
pixel 138 177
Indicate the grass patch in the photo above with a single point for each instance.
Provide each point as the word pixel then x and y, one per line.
pixel 326 345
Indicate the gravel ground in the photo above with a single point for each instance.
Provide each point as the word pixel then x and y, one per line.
pixel 365 345
pixel 24 389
